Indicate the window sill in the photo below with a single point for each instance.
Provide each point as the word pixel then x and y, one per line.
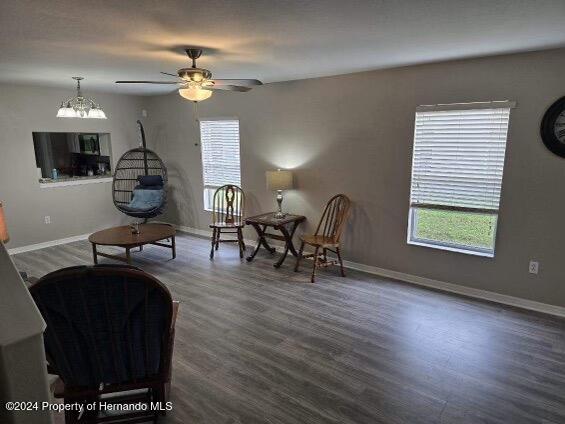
pixel 452 249
pixel 74 182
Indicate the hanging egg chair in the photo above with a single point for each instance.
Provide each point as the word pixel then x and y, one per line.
pixel 139 188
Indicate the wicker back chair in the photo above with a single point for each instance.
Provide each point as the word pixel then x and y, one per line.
pixel 327 235
pixel 132 165
pixel 228 216
pixel 109 330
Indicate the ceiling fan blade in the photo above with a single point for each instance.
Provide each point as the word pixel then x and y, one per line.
pixel 244 82
pixel 148 82
pixel 226 88
pixel 171 75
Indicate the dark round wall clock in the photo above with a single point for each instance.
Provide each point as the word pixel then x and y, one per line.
pixel 553 128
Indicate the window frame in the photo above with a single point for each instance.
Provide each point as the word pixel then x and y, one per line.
pixel 207 189
pixel 411 238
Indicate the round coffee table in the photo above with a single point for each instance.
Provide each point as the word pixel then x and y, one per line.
pixel 123 237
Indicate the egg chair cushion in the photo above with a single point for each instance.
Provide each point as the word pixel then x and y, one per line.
pixel 150 181
pixel 146 199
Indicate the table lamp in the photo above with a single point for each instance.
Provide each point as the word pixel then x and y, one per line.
pixel 4 237
pixel 278 181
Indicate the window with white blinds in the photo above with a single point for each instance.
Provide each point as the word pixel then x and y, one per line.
pixel 220 155
pixel 458 158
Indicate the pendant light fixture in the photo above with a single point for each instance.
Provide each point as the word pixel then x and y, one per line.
pixel 80 106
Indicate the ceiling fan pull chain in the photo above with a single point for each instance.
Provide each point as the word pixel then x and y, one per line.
pixel 195 111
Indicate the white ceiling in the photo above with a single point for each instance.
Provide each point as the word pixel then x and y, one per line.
pixel 47 42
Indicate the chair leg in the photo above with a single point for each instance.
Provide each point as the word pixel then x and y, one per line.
pixel 240 242
pixel 162 396
pixel 213 243
pixel 299 257
pixel 218 238
pixel 71 415
pixel 315 264
pixel 340 261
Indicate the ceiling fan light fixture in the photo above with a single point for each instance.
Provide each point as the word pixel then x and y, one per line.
pixel 196 84
pixel 194 74
pixel 195 94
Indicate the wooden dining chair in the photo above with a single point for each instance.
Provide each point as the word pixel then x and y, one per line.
pixel 327 236
pixel 227 217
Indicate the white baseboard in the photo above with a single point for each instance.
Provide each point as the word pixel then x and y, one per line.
pixel 45 244
pixel 395 275
pixel 194 231
pixel 431 283
pixel 208 234
pixel 459 289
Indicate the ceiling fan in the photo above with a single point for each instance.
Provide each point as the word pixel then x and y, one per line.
pixel 196 84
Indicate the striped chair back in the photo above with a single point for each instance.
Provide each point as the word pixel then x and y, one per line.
pixel 106 324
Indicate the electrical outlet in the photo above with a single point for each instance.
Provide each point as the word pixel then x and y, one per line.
pixel 534 267
pixel 47 219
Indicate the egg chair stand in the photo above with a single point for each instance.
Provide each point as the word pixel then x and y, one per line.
pixel 140 181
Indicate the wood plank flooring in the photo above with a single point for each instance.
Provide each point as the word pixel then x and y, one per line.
pixel 260 345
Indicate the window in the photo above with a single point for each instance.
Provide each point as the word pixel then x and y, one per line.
pixel 220 156
pixel 457 167
pixel 72 157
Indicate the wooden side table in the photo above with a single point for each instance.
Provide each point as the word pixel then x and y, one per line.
pixel 287 226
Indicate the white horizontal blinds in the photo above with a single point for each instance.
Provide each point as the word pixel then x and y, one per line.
pixel 459 157
pixel 220 152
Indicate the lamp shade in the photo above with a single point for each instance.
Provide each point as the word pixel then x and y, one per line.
pixel 4 237
pixel 279 180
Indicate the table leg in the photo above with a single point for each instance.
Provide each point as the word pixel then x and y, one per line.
pixel 174 246
pixel 260 241
pixel 94 254
pixel 288 244
pixel 264 242
pixel 259 233
pixel 290 236
pixel 278 263
pixel 128 256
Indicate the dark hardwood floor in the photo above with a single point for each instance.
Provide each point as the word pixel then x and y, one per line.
pixel 260 345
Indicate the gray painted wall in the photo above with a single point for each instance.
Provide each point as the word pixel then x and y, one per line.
pixel 74 210
pixel 354 134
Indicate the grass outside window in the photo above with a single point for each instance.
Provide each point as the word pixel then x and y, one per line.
pixel 462 230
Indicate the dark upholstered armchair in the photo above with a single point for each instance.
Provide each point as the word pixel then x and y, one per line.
pixel 110 330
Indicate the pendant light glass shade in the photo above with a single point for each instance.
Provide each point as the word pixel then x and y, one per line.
pixel 195 94
pixel 66 111
pixel 96 113
pixel 80 106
